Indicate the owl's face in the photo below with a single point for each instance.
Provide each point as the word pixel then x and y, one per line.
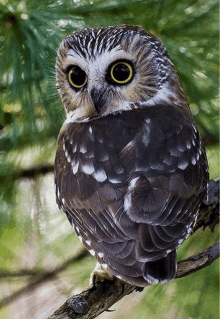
pixel 102 71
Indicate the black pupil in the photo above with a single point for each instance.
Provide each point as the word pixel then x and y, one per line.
pixel 121 72
pixel 78 76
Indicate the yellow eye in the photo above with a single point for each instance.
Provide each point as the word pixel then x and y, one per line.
pixel 121 72
pixel 77 77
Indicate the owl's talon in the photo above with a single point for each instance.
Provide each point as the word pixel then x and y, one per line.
pixel 99 274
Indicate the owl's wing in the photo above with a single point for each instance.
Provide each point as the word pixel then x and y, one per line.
pixel 167 184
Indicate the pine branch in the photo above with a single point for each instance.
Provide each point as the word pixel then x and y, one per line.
pixel 92 302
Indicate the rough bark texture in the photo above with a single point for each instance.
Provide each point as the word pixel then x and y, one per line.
pixel 95 300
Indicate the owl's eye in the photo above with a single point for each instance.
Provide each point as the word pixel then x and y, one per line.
pixel 121 72
pixel 77 77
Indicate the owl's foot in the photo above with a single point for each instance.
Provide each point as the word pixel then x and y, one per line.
pixel 99 274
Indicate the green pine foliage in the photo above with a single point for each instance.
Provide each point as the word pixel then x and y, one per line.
pixel 34 234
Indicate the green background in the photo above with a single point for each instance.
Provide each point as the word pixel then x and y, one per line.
pixel 35 236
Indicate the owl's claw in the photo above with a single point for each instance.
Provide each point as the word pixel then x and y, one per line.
pixel 99 274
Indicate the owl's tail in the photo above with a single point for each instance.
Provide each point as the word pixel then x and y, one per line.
pixel 161 270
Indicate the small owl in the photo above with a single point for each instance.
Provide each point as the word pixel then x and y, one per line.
pixel 130 168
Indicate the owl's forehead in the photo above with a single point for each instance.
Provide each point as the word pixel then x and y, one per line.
pixel 91 43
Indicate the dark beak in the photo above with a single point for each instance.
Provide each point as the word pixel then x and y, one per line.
pixel 99 98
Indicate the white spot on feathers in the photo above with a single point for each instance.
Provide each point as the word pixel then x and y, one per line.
pixel 127 198
pixel 77 229
pixel 88 242
pixel 183 165
pixel 193 160
pixel 194 128
pixel 180 241
pixel 68 159
pixel 75 167
pixel 127 202
pixel 100 254
pixel 188 145
pixel 74 149
pixel 82 149
pixel 104 266
pixel 87 169
pixel 58 191
pixel 151 279
pixel 114 180
pixel 100 175
pixel 66 153
pixel 92 252
pixel 80 238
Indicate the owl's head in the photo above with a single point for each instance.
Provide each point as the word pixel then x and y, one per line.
pixel 101 71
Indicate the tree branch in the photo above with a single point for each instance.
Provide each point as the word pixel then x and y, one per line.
pixel 92 302
pixel 204 259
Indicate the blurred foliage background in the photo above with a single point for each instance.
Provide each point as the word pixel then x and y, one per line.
pixel 36 237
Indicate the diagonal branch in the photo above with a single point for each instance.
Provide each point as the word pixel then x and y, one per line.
pixel 92 302
pixel 204 259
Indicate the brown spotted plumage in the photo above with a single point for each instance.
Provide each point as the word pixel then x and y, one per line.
pixel 130 169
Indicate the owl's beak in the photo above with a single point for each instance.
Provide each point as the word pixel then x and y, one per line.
pixel 99 98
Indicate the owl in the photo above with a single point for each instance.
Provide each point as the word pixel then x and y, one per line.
pixel 130 168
